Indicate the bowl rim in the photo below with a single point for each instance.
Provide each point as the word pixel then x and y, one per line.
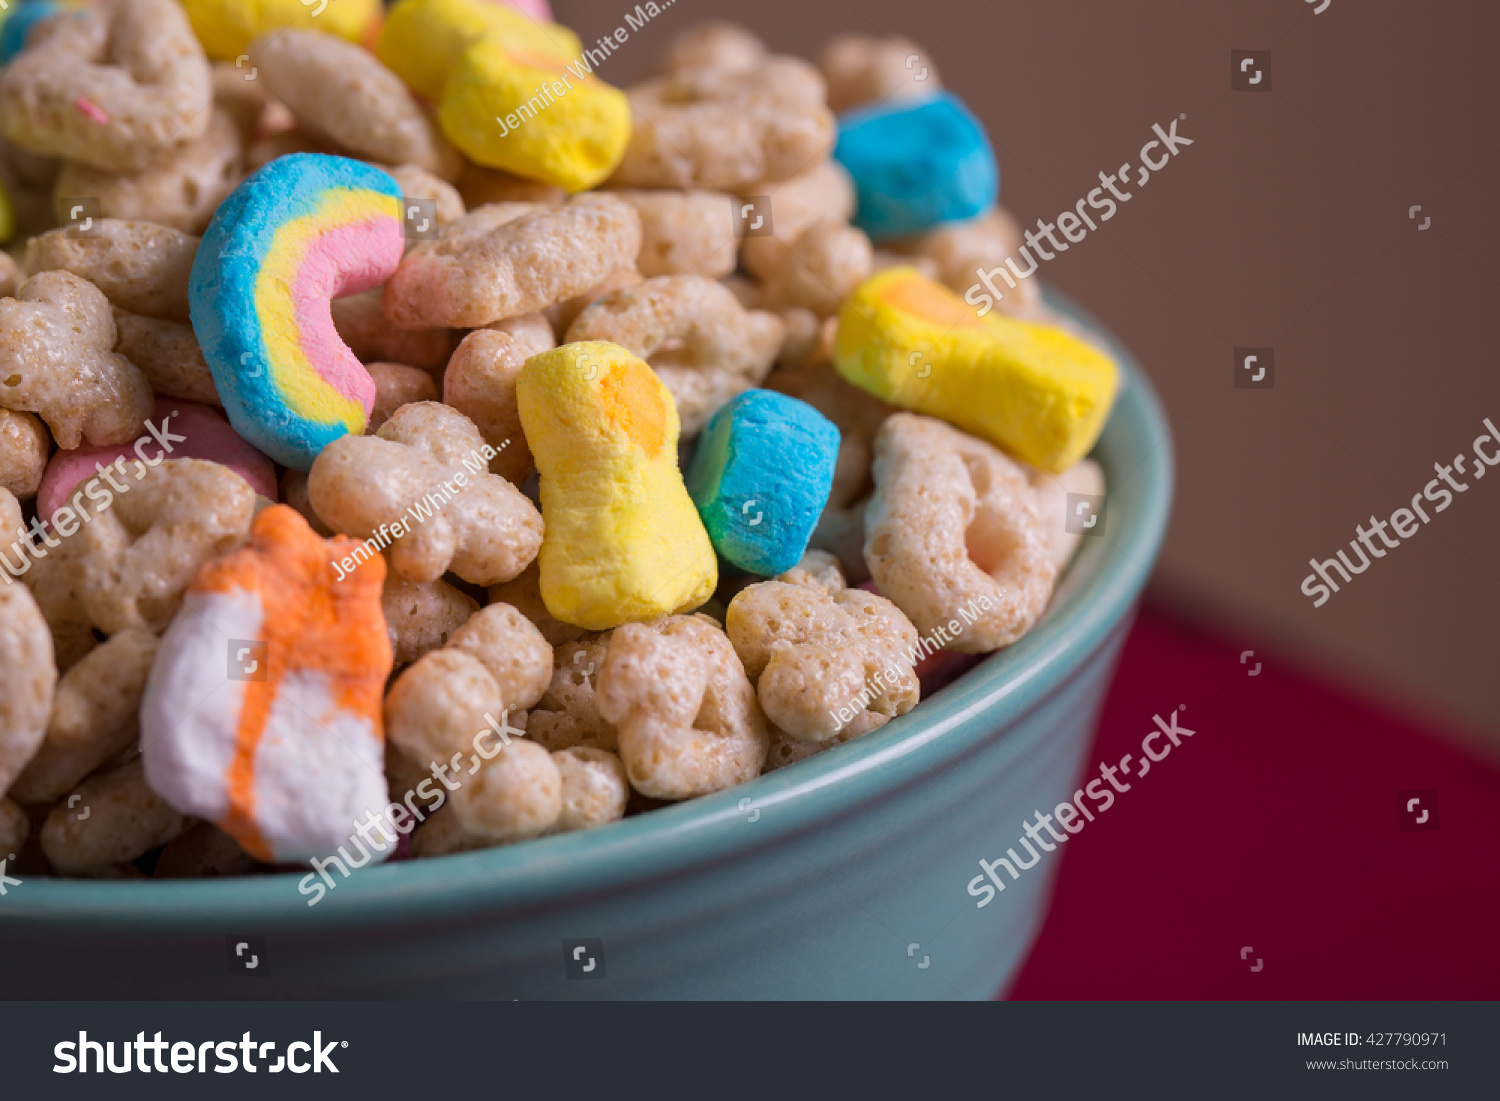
pixel 1094 597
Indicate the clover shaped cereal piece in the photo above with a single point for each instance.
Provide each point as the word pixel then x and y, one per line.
pixel 509 645
pixel 478 274
pixel 688 720
pixel 567 713
pixel 820 270
pixel 953 535
pixel 818 570
pixel 726 128
pixel 339 91
pixel 422 617
pixel 28 680
pixel 595 789
pixel 424 479
pixel 125 820
pixel 132 563
pixel 25 444
pixel 861 68
pixel 94 716
pixel 141 267
pixel 714 45
pixel 820 659
pixel 437 707
pixel 112 86
pixel 50 580
pixel 524 592
pixel 397 385
pixel 168 355
pixel 481 384
pixel 823 193
pixel 361 323
pixel 684 231
pixel 696 336
pixel 55 361
pixel 1052 491
pixel 514 796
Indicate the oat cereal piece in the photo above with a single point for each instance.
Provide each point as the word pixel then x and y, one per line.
pixel 362 324
pixel 51 582
pixel 700 342
pixel 339 91
pixel 417 182
pixel 294 494
pixel 203 852
pixel 140 266
pixel 436 707
pixel 443 834
pixel 821 269
pixel 514 796
pixel 513 650
pixel 397 385
pixel 568 714
pixel 11 521
pixel 714 45
pixel 819 571
pixel 823 193
pixel 422 617
pixel 134 62
pixel 15 827
pixel 28 680
pixel 524 591
pixel 168 355
pixel 481 384
pixel 727 129
pixel 953 535
pixel 1084 476
pixel 595 788
pixel 818 660
pixel 684 231
pixel 126 820
pixel 800 339
pixel 746 291
pixel 25 444
pixel 180 190
pixel 688 720
pixel 860 69
pixel 532 330
pixel 480 525
pixel 131 565
pixel 55 361
pixel 518 267
pixel 241 94
pixel 562 314
pixel 787 750
pixel 479 185
pixel 962 251
pixel 10 274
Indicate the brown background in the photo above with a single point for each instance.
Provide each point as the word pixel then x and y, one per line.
pixel 1284 225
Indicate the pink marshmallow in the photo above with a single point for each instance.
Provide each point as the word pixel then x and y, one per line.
pixel 208 437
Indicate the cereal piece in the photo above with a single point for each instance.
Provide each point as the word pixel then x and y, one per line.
pixel 417 182
pixel 203 852
pixel 11 522
pixel 953 536
pixel 422 617
pixel 715 45
pixel 822 268
pixel 516 795
pixel 824 193
pixel 423 481
pixel 141 267
pixel 916 165
pixel 361 323
pixel 512 649
pixel 301 231
pixel 437 707
pixel 15 827
pixel 707 347
pixel 51 582
pixel 963 252
pixel 860 69
pixel 24 446
pixel 240 94
pixel 180 190
pixel 471 278
pixel 55 361
pixel 726 128
pixel 294 494
pixel 688 720
pixel 226 27
pixel 817 570
pixel 561 315
pixel 397 385
pixel 176 428
pixel 478 185
pixel 10 273
pixel 746 292
pixel 126 819
pixel 1052 490
pixel 1039 392
pixel 168 355
pixel 338 91
pixel 442 835
pixel 520 111
pixel 787 750
pixel 114 86
pixel 28 679
pixel 595 788
pixel 684 231
pixel 423 40
pixel 285 755
pixel 818 660
pixel 568 714
pixel 524 592
pixel 94 716
pixel 623 540
pixel 131 564
pixel 481 384
pixel 760 478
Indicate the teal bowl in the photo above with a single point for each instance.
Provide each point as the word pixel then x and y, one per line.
pixel 845 876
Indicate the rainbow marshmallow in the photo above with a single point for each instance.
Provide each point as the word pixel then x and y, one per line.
pixel 305 229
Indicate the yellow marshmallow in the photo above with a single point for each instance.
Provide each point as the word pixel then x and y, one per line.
pixel 1035 390
pixel 422 40
pixel 225 27
pixel 623 540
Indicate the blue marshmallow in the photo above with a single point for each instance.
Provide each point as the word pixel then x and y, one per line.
pixel 761 476
pixel 917 165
